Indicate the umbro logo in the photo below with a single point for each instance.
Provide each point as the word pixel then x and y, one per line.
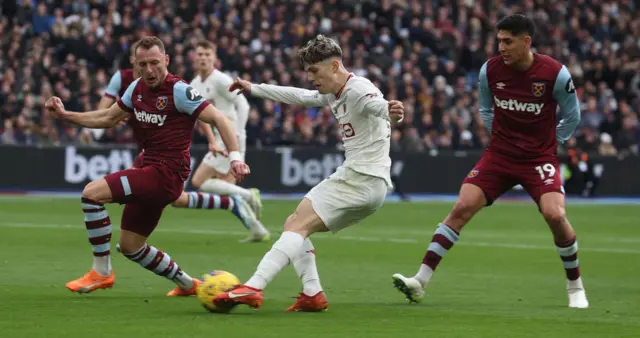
pixel 500 85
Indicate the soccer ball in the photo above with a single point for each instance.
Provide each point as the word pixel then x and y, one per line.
pixel 213 284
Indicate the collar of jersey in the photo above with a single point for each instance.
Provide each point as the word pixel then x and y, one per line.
pixel 344 85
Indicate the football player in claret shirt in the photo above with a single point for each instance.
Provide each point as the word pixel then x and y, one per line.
pixel 519 92
pixel 234 203
pixel 165 109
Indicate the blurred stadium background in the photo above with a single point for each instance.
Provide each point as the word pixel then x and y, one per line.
pixel 425 53
pixel 503 279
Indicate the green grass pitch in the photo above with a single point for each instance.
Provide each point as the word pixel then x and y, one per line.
pixel 503 278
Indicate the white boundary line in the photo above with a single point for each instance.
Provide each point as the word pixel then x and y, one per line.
pixel 339 237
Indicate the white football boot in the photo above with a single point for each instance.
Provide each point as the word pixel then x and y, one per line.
pixel 410 287
pixel 245 213
pixel 256 202
pixel 577 294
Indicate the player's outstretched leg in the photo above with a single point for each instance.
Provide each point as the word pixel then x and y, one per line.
pixel 134 247
pixel 552 208
pixel 98 224
pixel 218 186
pixel 312 298
pixel 235 204
pixel 302 223
pixel 470 201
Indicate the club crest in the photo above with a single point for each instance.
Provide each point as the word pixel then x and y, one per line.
pixel 161 102
pixel 538 88
pixel 473 173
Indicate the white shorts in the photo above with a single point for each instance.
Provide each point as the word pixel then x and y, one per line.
pixel 220 163
pixel 347 197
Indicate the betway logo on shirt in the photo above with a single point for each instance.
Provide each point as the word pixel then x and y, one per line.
pixel 515 105
pixel 143 116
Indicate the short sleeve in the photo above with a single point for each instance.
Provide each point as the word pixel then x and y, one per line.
pixel 125 102
pixel 114 86
pixel 367 99
pixel 188 100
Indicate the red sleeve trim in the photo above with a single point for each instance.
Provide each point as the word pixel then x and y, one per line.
pixel 110 96
pixel 124 106
pixel 200 108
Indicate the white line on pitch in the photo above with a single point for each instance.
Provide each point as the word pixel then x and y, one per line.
pixel 469 242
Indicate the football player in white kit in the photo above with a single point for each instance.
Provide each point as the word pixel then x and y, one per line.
pixel 213 175
pixel 356 190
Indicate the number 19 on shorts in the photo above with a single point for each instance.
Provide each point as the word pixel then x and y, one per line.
pixel 546 170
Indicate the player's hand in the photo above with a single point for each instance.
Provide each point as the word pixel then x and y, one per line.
pixel 243 86
pixel 239 170
pixel 55 106
pixel 123 122
pixel 215 150
pixel 396 111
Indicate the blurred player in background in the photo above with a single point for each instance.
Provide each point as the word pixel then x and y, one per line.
pixel 213 175
pixel 165 108
pixel 519 92
pixel 356 190
pixel 118 84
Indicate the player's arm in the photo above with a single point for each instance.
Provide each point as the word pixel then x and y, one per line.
pixel 485 100
pixel 288 95
pixel 205 128
pixel 103 118
pixel 242 109
pixel 239 102
pixel 370 101
pixel 111 93
pixel 564 92
pixel 189 101
pixel 106 102
pixel 215 117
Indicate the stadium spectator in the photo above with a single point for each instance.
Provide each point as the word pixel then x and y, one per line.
pixel 425 53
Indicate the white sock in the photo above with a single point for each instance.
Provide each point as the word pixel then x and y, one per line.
pixel 258 227
pixel 183 280
pixel 282 253
pixel 305 265
pixel 220 187
pixel 575 284
pixel 102 265
pixel 424 275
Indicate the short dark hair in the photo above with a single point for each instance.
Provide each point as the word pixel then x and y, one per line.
pixel 517 24
pixel 149 42
pixel 319 49
pixel 206 44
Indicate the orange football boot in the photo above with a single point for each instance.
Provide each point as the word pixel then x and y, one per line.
pixel 180 292
pixel 91 281
pixel 241 294
pixel 305 303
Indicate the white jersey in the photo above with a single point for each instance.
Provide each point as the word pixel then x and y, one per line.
pixel 362 113
pixel 215 89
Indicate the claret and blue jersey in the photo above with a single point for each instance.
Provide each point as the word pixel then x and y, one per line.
pixel 520 108
pixel 165 119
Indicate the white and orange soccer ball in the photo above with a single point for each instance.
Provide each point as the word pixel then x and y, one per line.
pixel 213 284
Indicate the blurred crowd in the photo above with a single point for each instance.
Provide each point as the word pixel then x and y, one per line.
pixel 424 52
